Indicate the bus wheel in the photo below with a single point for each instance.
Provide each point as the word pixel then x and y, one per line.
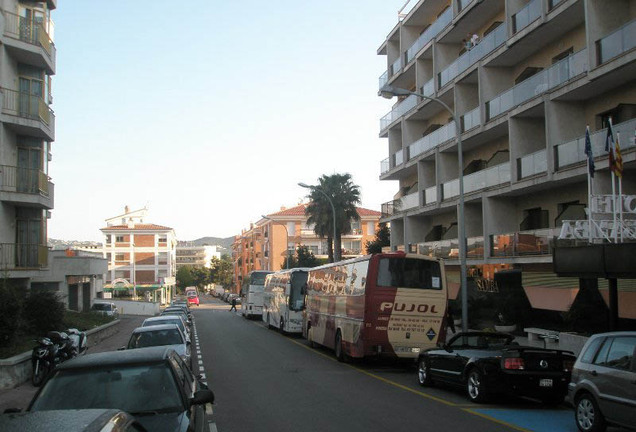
pixel 340 355
pixel 269 323
pixel 281 326
pixel 310 336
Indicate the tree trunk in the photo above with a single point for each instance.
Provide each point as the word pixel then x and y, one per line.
pixel 337 248
pixel 330 249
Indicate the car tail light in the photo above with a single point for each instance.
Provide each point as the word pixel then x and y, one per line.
pixel 568 365
pixel 514 363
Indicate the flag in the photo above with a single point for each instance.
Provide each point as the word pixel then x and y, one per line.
pixel 609 147
pixel 588 151
pixel 618 158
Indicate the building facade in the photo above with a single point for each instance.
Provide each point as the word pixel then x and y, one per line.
pixel 523 78
pixel 189 254
pixel 265 244
pixel 141 257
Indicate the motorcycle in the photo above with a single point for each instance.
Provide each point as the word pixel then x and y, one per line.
pixel 55 348
pixel 79 342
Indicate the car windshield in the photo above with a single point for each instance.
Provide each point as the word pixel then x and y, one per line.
pixel 138 388
pixel 155 338
pixel 481 341
pixel 101 306
pixel 176 321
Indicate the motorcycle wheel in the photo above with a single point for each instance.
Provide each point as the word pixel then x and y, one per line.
pixel 40 371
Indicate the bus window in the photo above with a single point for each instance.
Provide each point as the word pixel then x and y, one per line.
pixel 296 297
pixel 409 273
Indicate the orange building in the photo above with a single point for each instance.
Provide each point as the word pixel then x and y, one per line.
pixel 266 243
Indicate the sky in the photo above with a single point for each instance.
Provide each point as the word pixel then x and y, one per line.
pixel 210 113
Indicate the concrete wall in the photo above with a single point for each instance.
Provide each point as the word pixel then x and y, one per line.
pixel 135 307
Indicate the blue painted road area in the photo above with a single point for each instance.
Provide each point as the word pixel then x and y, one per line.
pixel 540 420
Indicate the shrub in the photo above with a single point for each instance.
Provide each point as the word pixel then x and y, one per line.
pixel 43 312
pixel 10 312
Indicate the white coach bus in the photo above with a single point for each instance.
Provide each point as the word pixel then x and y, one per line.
pixel 283 300
pixel 252 293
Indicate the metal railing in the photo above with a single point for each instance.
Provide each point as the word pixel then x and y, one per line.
pixel 470 120
pixel 384 78
pixel 410 201
pixel 526 16
pixel 427 35
pixel 494 176
pixel 398 111
pixel 432 140
pixel 493 40
pixel 537 84
pixel 395 67
pixel 449 249
pixel 26 105
pixel 398 158
pixel 428 89
pixel 461 4
pixel 387 209
pixel 534 163
pixel 617 42
pixel 573 151
pixel 430 195
pixel 33 33
pixel 522 243
pixel 23 180
pixel 385 166
pixel 23 256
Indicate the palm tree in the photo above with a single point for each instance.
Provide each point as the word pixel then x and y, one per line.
pixel 345 195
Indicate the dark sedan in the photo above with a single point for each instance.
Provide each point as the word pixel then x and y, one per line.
pixel 153 384
pixel 89 420
pixel 487 363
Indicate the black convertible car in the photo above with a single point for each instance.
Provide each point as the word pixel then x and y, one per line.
pixel 488 363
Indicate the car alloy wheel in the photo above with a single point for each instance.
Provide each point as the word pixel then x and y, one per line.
pixel 475 386
pixel 588 415
pixel 424 373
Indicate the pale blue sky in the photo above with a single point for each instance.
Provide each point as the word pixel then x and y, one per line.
pixel 211 112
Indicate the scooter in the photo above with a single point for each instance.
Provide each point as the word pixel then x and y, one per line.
pixel 79 342
pixel 43 359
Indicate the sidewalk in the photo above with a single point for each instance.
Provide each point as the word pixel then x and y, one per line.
pixel 19 397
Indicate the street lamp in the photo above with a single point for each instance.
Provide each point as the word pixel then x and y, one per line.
pixel 336 254
pixel 388 92
pixel 286 238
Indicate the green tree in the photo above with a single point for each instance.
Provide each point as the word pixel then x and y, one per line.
pixel 344 195
pixel 44 311
pixel 201 277
pixel 222 271
pixel 382 238
pixel 185 278
pixel 10 310
pixel 304 257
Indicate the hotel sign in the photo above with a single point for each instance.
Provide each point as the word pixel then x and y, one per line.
pixel 604 223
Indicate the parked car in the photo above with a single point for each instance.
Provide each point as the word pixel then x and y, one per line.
pixel 187 318
pixel 488 363
pixel 167 319
pixel 603 386
pixel 161 335
pixel 153 384
pixel 193 298
pixel 105 308
pixel 85 420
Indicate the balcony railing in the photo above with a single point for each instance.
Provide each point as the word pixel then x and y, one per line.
pixel 395 67
pixel 26 105
pixel 469 58
pixel 398 111
pixel 409 201
pixel 398 158
pixel 553 3
pixel 428 89
pixel 525 16
pixel 573 151
pixel 449 249
pixel 523 243
pixel 385 166
pixel 538 84
pixel 23 180
pixel 461 4
pixel 384 78
pixel 483 179
pixel 430 141
pixel 471 119
pixel 387 209
pixel 430 195
pixel 20 28
pixel 23 256
pixel 616 43
pixel 532 164
pixel 427 35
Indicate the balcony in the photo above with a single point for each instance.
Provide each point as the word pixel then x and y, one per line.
pixel 487 45
pixel 523 243
pixel 573 151
pixel 536 85
pixel 398 111
pixel 495 176
pixel 616 43
pixel 430 195
pixel 399 205
pixel 470 120
pixel 449 249
pixel 427 35
pixel 29 42
pixel 17 256
pixel 395 68
pixel 532 164
pixel 432 140
pixel 428 89
pixel 25 186
pixel 461 4
pixel 385 166
pixel 526 16
pixel 28 114
pixel 384 78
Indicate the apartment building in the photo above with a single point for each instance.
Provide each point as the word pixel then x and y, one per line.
pixel 523 78
pixel 27 123
pixel 141 257
pixel 189 254
pixel 266 243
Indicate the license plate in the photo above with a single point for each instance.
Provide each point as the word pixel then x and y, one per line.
pixel 545 383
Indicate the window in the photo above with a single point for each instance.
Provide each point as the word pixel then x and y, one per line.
pixel 409 273
pixel 162 240
pixel 107 239
pixel 591 350
pixel 119 257
pixel 620 353
pixel 291 228
pixel 119 239
pixel 564 54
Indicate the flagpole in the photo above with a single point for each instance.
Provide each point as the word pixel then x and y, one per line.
pixel 589 190
pixel 611 167
pixel 620 188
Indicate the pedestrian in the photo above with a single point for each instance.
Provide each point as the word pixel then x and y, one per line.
pixel 233 304
pixel 474 40
pixel 467 43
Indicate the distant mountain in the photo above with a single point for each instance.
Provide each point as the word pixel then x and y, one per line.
pixel 225 243
pixel 65 244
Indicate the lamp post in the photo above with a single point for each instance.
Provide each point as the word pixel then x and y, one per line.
pixel 286 237
pixel 388 92
pixel 336 254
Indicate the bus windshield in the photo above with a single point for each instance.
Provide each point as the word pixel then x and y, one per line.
pixel 258 278
pixel 409 273
pixel 296 296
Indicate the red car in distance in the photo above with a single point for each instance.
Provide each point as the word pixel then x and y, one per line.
pixel 193 298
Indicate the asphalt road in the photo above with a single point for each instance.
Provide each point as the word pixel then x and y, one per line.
pixel 265 381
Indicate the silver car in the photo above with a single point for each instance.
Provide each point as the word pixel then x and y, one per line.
pixel 162 335
pixel 603 384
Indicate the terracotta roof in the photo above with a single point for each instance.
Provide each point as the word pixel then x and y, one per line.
pixel 299 210
pixel 137 227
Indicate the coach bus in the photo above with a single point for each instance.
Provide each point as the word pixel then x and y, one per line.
pixel 387 305
pixel 283 300
pixel 252 293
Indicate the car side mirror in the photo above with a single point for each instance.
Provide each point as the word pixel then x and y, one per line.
pixel 12 410
pixel 202 397
pixel 121 348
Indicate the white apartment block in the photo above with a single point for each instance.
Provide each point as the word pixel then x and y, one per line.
pixel 141 257
pixel 189 254
pixel 537 73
